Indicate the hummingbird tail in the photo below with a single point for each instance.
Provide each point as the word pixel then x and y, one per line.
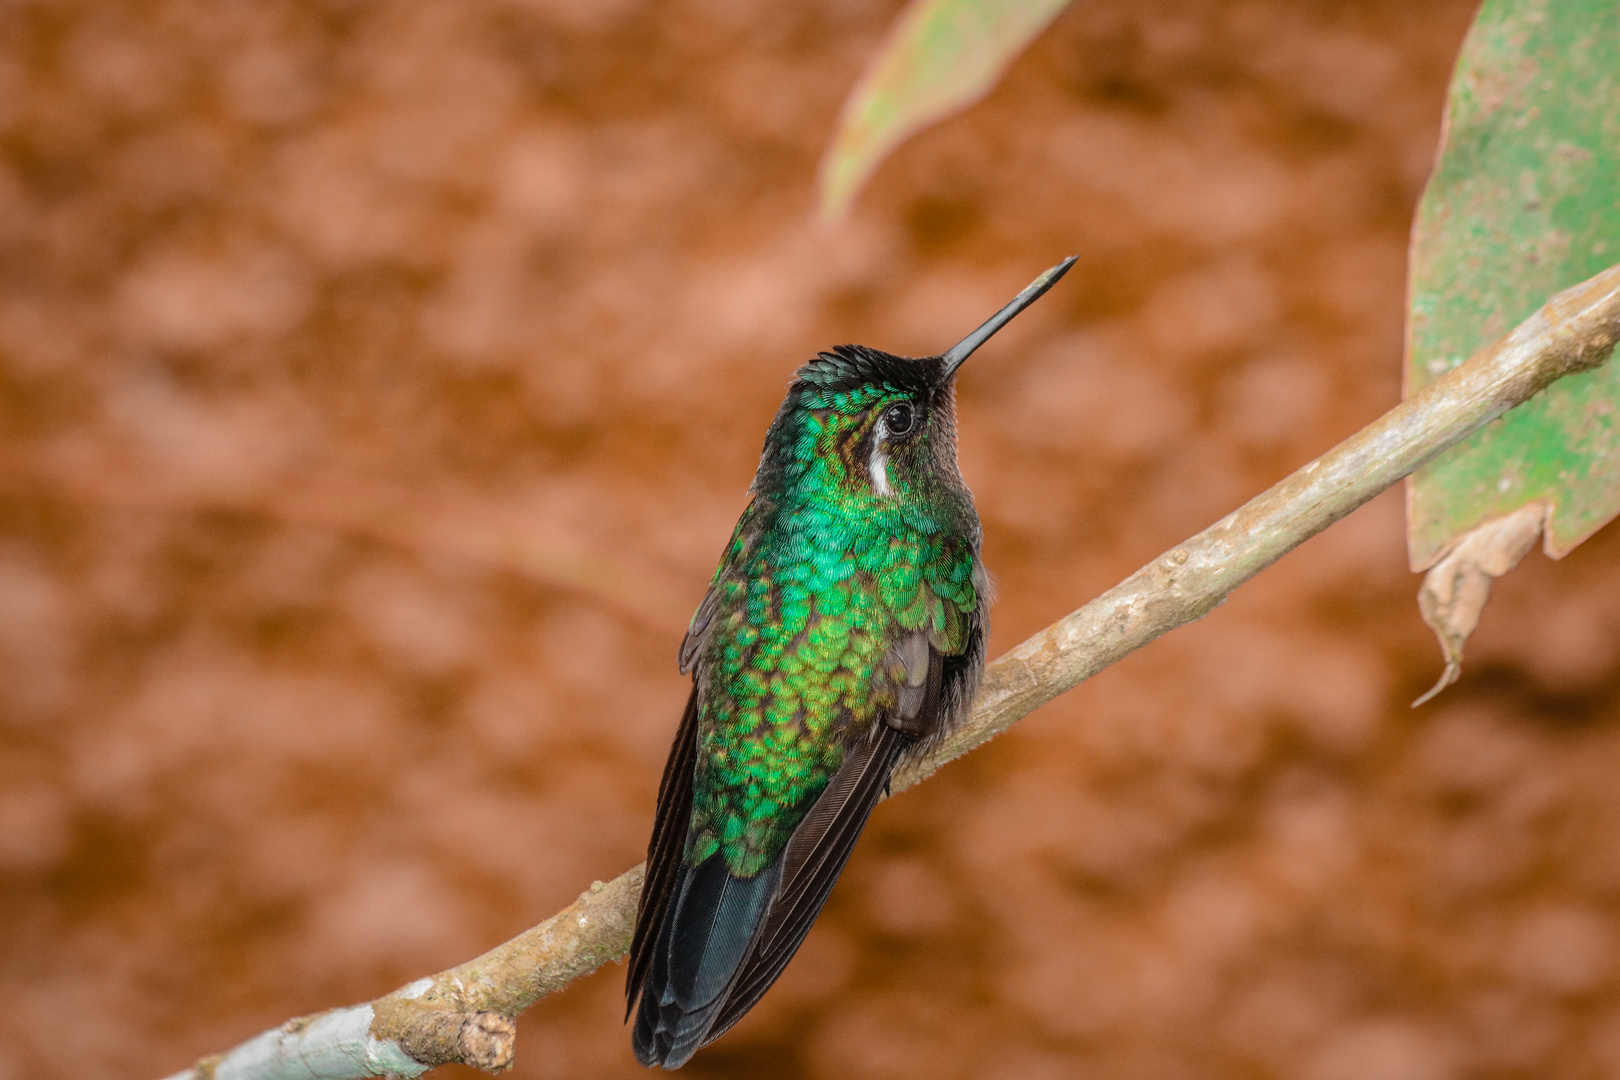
pixel 723 940
pixel 705 937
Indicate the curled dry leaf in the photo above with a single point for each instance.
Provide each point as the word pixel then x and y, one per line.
pixel 1456 588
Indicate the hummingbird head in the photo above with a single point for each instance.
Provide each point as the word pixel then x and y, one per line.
pixel 861 422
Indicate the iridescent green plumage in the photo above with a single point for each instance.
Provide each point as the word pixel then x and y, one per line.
pixel 822 576
pixel 843 631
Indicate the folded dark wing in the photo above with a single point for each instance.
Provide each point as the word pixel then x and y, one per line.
pixel 814 858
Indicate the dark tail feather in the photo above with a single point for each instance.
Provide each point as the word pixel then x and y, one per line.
pixel 705 936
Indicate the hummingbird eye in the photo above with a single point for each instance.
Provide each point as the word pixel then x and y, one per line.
pixel 900 418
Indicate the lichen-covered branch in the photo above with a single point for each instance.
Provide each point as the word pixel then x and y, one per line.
pixel 464 1014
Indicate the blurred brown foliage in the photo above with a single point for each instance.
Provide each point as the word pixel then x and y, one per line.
pixel 551 263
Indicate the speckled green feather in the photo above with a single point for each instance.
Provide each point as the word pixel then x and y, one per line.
pixel 822 576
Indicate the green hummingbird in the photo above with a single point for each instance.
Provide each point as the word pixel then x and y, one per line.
pixel 842 635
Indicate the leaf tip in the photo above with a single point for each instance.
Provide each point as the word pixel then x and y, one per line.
pixel 1450 675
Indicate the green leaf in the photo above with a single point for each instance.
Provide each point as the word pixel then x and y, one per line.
pixel 941 56
pixel 1524 201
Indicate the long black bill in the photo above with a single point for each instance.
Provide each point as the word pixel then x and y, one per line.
pixel 963 349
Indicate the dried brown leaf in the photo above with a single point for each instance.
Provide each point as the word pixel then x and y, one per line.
pixel 1455 590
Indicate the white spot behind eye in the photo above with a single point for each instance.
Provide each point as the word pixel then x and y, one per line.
pixel 878 466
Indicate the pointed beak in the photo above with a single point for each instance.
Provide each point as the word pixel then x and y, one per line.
pixel 963 349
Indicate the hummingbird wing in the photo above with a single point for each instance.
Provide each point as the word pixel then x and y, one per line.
pixel 821 845
pixel 814 859
pixel 697 633
pixel 664 850
pixel 738 553
pixel 722 940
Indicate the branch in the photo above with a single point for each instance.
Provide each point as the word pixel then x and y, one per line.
pixel 465 1014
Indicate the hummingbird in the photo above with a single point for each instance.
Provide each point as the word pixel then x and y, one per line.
pixel 841 637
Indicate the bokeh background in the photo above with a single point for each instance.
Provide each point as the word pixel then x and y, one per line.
pixel 380 379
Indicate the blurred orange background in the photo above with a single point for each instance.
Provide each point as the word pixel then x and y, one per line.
pixel 379 382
